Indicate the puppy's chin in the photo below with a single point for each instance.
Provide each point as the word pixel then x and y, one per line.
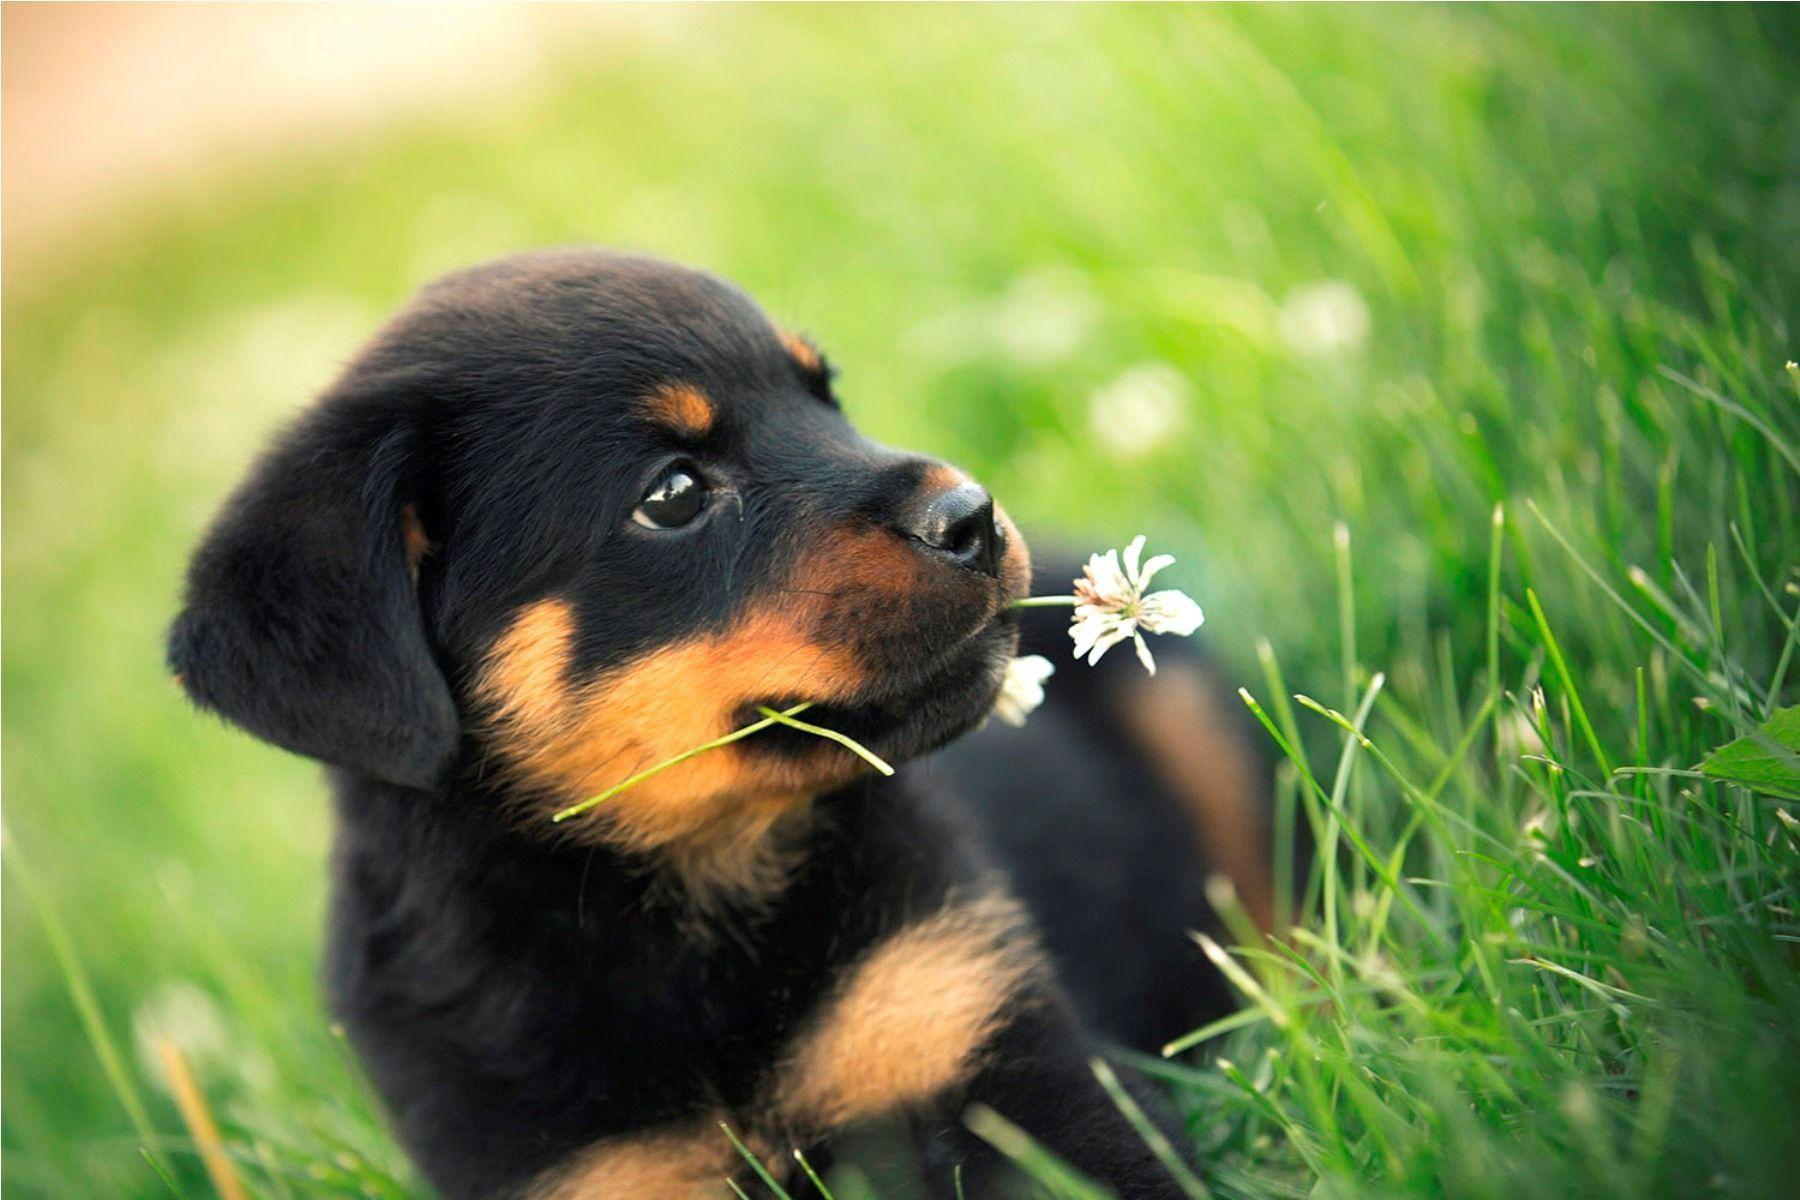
pixel 953 698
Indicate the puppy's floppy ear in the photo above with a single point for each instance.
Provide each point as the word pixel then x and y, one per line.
pixel 302 623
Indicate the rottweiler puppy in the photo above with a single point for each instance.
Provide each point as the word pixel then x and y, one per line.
pixel 573 513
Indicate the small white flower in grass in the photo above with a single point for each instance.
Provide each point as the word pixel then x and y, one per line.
pixel 181 1013
pixel 1537 826
pixel 1138 411
pixel 1111 605
pixel 1022 688
pixel 1324 318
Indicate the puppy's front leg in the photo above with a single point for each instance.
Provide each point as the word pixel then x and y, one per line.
pixel 1035 1072
pixel 958 1008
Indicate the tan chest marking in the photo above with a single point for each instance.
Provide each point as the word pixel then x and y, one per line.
pixel 689 1162
pixel 912 1019
pixel 909 1023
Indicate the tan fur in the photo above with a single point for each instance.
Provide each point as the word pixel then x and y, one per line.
pixel 1015 564
pixel 681 408
pixel 1175 719
pixel 576 739
pixel 686 1163
pixel 941 477
pixel 712 816
pixel 526 671
pixel 909 1022
pixel 799 349
pixel 912 1019
pixel 861 559
pixel 413 540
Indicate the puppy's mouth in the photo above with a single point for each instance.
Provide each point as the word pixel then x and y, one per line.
pixel 904 714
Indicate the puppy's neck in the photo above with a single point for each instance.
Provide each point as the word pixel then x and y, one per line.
pixel 475 834
pixel 705 853
pixel 743 858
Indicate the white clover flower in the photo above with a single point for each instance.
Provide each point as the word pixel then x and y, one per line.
pixel 1138 411
pixel 1324 318
pixel 1518 736
pixel 1111 605
pixel 1022 688
pixel 182 1013
pixel 1044 317
pixel 1537 826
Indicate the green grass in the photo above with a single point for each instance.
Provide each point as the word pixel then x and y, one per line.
pixel 1537 953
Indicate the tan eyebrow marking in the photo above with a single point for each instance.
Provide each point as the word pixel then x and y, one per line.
pixel 681 408
pixel 800 350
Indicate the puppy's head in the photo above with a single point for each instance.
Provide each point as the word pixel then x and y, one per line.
pixel 574 513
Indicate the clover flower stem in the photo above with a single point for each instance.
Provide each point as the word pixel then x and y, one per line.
pixel 735 735
pixel 1045 602
pixel 849 743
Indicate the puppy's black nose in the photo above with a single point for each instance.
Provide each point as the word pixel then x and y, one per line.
pixel 959 524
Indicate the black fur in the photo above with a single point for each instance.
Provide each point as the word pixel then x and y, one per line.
pixel 301 622
pixel 518 995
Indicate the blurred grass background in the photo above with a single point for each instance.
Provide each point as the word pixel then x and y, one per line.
pixel 1228 276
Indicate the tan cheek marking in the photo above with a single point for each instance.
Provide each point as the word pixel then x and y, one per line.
pixel 524 675
pixel 670 1164
pixel 799 349
pixel 913 1018
pixel 1176 721
pixel 681 407
pixel 578 740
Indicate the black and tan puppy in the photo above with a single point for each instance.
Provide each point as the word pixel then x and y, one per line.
pixel 573 513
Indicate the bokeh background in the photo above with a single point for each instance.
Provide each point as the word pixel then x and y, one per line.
pixel 1236 277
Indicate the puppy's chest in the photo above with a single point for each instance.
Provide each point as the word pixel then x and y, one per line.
pixel 840 1005
pixel 895 1023
pixel 553 1006
pixel 727 1003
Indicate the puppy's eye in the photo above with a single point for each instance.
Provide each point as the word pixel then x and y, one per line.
pixel 673 500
